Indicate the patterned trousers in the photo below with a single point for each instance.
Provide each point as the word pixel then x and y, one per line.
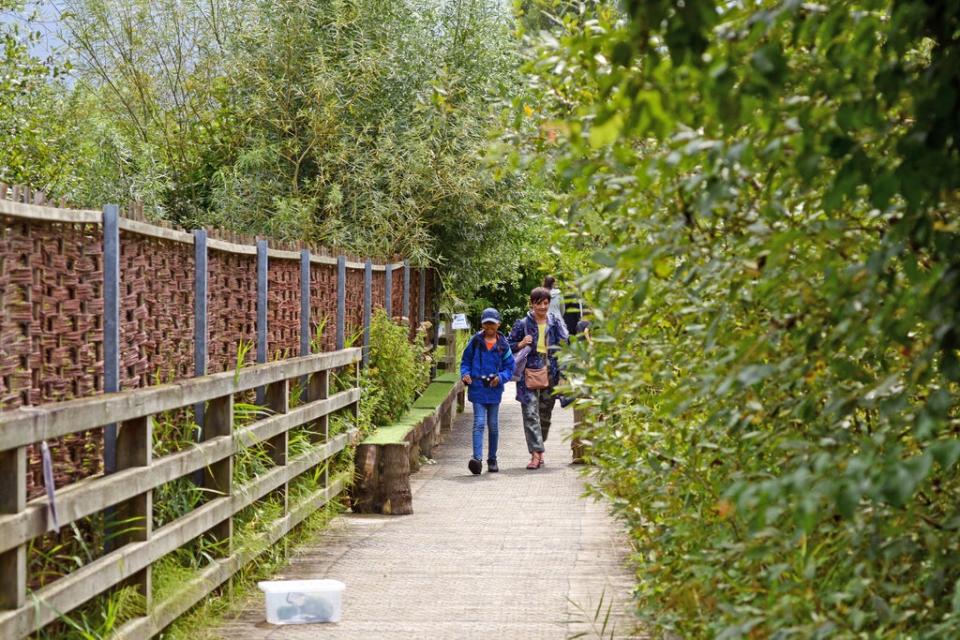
pixel 537 413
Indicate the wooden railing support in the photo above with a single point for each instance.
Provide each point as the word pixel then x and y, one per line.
pixel 218 476
pixel 13 499
pixel 134 517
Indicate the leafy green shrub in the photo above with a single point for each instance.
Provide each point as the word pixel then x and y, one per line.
pixel 397 370
pixel 768 199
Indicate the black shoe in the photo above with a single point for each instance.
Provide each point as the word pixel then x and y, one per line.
pixel 492 465
pixel 475 466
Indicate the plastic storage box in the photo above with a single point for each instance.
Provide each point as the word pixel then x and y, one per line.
pixel 302 601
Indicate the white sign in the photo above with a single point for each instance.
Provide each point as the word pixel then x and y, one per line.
pixel 460 321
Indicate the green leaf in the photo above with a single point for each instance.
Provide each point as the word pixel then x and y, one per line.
pixel 946 453
pixel 606 132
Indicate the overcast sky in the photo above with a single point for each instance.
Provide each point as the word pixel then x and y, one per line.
pixel 47 23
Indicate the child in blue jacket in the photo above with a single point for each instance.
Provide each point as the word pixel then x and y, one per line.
pixel 486 365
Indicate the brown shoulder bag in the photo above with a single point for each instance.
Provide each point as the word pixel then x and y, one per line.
pixel 536 378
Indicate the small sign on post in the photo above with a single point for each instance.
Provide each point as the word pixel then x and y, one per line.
pixel 460 321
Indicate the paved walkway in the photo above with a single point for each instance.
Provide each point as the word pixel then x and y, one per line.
pixel 518 554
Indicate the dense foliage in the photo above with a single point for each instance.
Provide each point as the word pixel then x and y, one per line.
pixel 28 82
pixel 397 371
pixel 361 125
pixel 762 201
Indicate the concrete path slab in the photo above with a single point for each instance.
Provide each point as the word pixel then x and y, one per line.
pixel 516 554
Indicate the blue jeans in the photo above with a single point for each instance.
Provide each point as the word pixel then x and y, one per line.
pixel 486 415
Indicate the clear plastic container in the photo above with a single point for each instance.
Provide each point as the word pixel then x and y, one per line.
pixel 302 601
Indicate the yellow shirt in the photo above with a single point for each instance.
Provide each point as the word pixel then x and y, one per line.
pixel 541 337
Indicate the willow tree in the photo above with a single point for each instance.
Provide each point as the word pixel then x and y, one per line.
pixel 362 125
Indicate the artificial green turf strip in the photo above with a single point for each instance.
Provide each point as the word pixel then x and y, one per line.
pixel 433 396
pixel 397 431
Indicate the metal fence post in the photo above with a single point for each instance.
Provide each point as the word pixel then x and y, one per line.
pixel 305 336
pixel 262 283
pixel 367 307
pixel 435 307
pixel 111 324
pixel 405 308
pixel 201 332
pixel 341 301
pixel 388 289
pixel 422 302
pixel 262 270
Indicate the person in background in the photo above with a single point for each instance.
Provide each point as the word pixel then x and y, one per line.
pixel 583 329
pixel 486 365
pixel 543 332
pixel 573 315
pixel 556 296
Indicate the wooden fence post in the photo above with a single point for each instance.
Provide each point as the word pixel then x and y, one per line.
pixel 277 399
pixel 367 308
pixel 111 324
pixel 318 388
pixel 341 301
pixel 218 476
pixel 135 516
pixel 13 499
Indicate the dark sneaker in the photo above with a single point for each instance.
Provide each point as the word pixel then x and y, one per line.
pixel 475 466
pixel 492 465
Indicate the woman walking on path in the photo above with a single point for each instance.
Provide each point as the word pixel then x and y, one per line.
pixel 543 333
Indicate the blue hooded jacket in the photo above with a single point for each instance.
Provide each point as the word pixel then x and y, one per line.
pixel 478 361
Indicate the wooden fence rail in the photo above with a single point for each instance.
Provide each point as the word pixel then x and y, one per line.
pixel 128 492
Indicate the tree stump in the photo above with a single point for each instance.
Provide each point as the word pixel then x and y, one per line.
pixel 446 416
pixel 396 497
pixel 428 437
pixel 364 495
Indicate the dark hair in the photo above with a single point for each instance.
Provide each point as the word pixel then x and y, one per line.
pixel 548 282
pixel 538 294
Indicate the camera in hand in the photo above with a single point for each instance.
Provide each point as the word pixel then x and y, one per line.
pixel 488 379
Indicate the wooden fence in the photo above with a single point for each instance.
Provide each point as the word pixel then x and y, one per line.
pixel 127 492
pixel 102 301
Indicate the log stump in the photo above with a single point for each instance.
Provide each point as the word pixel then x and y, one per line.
pixel 396 497
pixel 446 416
pixel 364 495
